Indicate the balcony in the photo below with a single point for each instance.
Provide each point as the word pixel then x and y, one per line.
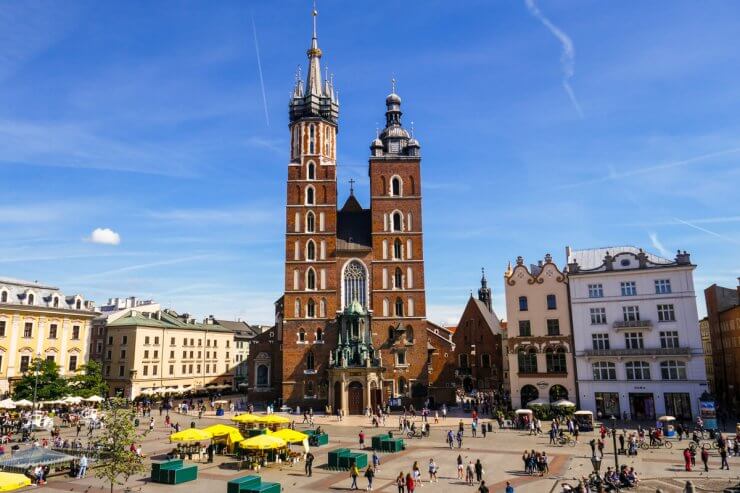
pixel 632 324
pixel 676 351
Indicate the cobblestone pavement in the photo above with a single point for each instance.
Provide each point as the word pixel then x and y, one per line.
pixel 500 452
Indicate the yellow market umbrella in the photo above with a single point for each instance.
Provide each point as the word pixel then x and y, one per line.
pixel 191 435
pixel 290 436
pixel 263 442
pixel 247 418
pixel 10 481
pixel 274 419
pixel 219 430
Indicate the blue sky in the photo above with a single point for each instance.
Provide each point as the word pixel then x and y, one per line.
pixel 542 125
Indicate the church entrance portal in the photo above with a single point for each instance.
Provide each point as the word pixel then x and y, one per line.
pixel 355 398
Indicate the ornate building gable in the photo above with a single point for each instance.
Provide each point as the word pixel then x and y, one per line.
pixel 536 274
pixel 620 258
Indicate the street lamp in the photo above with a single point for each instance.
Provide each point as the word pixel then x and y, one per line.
pixel 36 371
pixel 614 441
pixel 596 463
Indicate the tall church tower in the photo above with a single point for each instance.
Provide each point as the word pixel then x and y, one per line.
pixel 311 219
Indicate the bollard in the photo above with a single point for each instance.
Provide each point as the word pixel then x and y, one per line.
pixel 689 487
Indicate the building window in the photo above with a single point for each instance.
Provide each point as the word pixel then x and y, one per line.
pixel 603 370
pixel 637 370
pixel 311 171
pixel 75 332
pixel 355 279
pixel 73 363
pixel 552 303
pixel 523 306
pixel 400 358
pixel 598 316
pixel 397 221
pixel 595 291
pixel 310 361
pixel 311 279
pixel 310 222
pixel 666 313
pixel 629 288
pixel 310 196
pixel 124 340
pixel 673 370
pixel 527 360
pixel 631 313
pixel 399 307
pixel 669 339
pixel 30 299
pixel 319 335
pixel 172 341
pixel 395 186
pixel 123 354
pixel 172 369
pixel 310 309
pixel 2 328
pixel 553 327
pixel 485 360
pixel 146 340
pixel 555 359
pixel 397 253
pixel 525 328
pixel 146 354
pixel 409 334
pixel 55 302
pixel 403 386
pixel 25 361
pixel 120 370
pixel 600 341
pixel 156 341
pixel 302 335
pixel 53 331
pixel 50 358
pixel 154 369
pixel 28 330
pixel 310 250
pixel 634 340
pixel 662 286
pixel 78 305
pixel 145 370
pixel 4 297
pixel 398 279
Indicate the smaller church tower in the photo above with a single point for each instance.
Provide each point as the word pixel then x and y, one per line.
pixel 484 293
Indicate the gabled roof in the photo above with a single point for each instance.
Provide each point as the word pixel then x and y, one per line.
pixel 166 319
pixel 491 319
pixel 592 258
pixel 354 226
pixel 235 326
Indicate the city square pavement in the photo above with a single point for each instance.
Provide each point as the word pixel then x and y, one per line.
pixel 500 452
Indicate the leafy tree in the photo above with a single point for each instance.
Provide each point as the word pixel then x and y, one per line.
pixel 114 443
pixel 89 380
pixel 51 385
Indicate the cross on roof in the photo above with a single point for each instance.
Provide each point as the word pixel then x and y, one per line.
pixel 351 186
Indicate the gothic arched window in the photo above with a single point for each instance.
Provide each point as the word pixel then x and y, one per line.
pixel 409 334
pixel 398 279
pixel 355 277
pixel 396 186
pixel 310 222
pixel 310 309
pixel 311 250
pixel 311 138
pixel 397 221
pixel 311 279
pixel 397 249
pixel 310 361
pixel 311 174
pixel 310 196
pixel 399 307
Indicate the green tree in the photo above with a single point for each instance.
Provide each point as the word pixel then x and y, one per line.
pixel 51 385
pixel 89 380
pixel 114 443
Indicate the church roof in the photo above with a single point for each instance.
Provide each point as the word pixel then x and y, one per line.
pixel 353 226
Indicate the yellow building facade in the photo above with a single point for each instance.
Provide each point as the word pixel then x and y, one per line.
pixel 39 321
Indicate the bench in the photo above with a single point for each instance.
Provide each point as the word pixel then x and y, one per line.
pixel 317 440
pixel 334 456
pixel 251 484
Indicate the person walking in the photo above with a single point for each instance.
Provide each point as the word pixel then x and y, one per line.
pixel 482 488
pixel 83 467
pixel 309 464
pixel 410 485
pixel 723 456
pixel 400 482
pixel 459 439
pixel 369 475
pixel 478 471
pixel 376 461
pixel 416 473
pixel 687 459
pixel 460 467
pixel 433 471
pixel 509 488
pixel 354 472
pixel 705 457
pixel 450 439
pixel 469 473
pixel 151 424
pixel 362 440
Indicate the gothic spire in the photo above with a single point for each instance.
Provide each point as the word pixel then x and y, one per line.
pixel 484 293
pixel 313 82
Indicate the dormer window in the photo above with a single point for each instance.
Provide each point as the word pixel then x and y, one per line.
pixel 78 304
pixel 4 297
pixel 31 298
pixel 55 302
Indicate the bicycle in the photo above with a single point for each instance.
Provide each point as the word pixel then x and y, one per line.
pixel 566 440
pixel 659 442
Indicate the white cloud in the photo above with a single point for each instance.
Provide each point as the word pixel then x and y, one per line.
pixel 105 236
pixel 568 56
pixel 659 246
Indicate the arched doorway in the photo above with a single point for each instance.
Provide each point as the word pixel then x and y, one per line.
pixel 355 398
pixel 558 392
pixel 376 396
pixel 529 393
pixel 337 396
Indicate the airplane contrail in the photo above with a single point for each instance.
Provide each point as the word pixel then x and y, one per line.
pixel 259 68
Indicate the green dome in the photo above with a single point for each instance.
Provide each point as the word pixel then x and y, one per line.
pixel 355 308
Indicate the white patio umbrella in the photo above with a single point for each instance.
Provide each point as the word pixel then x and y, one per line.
pixel 94 398
pixel 72 400
pixel 538 402
pixel 23 403
pixel 564 403
pixel 7 404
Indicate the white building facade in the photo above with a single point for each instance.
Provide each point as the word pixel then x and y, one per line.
pixel 637 343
